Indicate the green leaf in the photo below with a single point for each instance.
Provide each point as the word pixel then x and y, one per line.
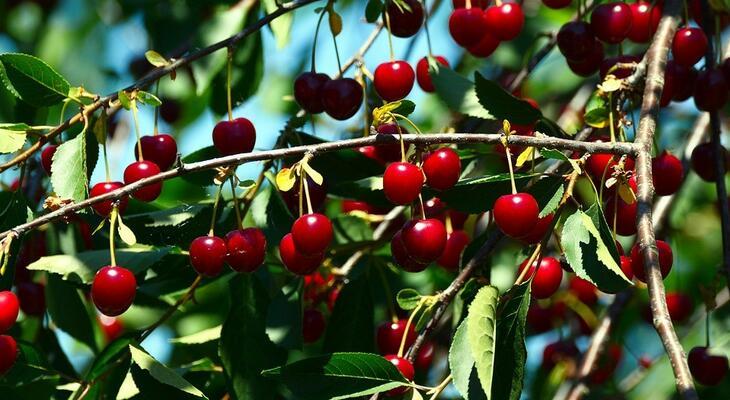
pixel 481 330
pixel 13 212
pixel 408 299
pixel 373 10
pixel 339 376
pixel 458 93
pixel 501 105
pixel 177 225
pixel 204 336
pixel 461 360
pixel 281 26
pixel 511 354
pixel 148 98
pixel 68 312
pixel 350 327
pixel 162 373
pixel 32 80
pixel 553 203
pixel 405 108
pixel 597 118
pixel 124 100
pixel 11 140
pixel 284 317
pixel 156 58
pixel 477 195
pixel 587 253
pixel 69 170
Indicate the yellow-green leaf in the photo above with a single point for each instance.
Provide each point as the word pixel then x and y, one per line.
pixel 527 155
pixel 285 179
pixel 126 234
pixel 156 58
pixel 335 22
pixel 316 176
pixel 11 140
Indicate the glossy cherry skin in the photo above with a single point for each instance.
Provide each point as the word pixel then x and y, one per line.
pixel 667 173
pixel 557 352
pixel 505 21
pixel 32 297
pixel 234 137
pixel 467 26
pixel 456 242
pixel 703 161
pixel 679 306
pixel 576 40
pixel 313 325
pixel 9 308
pixel 389 335
pixel 600 165
pixel 442 168
pixel 679 83
pixel 424 239
pixel 611 22
pixel 711 90
pixel 626 267
pixel 308 91
pixel 160 149
pixel 402 182
pixel 483 4
pixel 341 98
pixel 557 4
pixel 623 214
pixel 665 260
pixel 113 290
pixel 47 157
pixel 295 261
pixel 401 257
pixel 312 234
pixel 645 20
pixel 405 368
pixel 591 64
pixel 104 208
pixel 689 46
pixel 112 327
pixel 706 368
pixel 423 77
pixel 583 290
pixel 246 249
pixel 393 80
pixel 389 152
pixel 516 214
pixel 485 46
pixel 546 280
pixel 140 170
pixel 8 353
pixel 405 23
pixel 539 230
pixel 208 254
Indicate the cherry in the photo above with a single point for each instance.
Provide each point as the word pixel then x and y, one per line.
pixel 645 362
pixel 601 165
pixel 402 182
pixel 456 242
pixel 505 21
pixel 679 306
pixel 557 4
pixel 424 77
pixel 393 80
pixel 295 261
pixel 516 214
pixel 546 280
pixel 113 290
pixel 611 22
pixel 308 91
pixel 47 157
pixel 486 45
pixel 626 267
pixel 341 98
pixel 8 353
pixel 424 358
pixel 591 64
pixel 442 168
pixel 483 4
pixel 313 325
pixel 170 110
pixel 246 249
pixel 539 318
pixel 706 368
pixel 559 351
pixel 685 79
pixel 711 90
pixel 9 307
pixel 405 368
pixel 583 290
pixel 104 208
pixel 160 149
pixel 401 256
pixel 405 23
pixel 140 170
pixel 389 152
pixel 317 195
pixel 349 206
pixel 467 26
pixel 624 216
pixel 667 173
pixel 312 234
pixel 539 230
pixel 576 41
pixel 433 208
pixel 389 335
pixel 316 287
pixel 665 260
pixel 32 297
pixel 645 20
pixel 207 255
pixel 703 161
pixel 112 327
pixel 458 218
pixel 689 46
pixel 370 152
pixel 606 364
pixel 424 239
pixel 234 137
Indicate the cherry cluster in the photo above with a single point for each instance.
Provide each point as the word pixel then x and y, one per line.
pixel 480 28
pixel 9 309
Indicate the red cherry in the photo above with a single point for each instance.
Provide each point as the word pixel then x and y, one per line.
pixel 665 260
pixel 234 137
pixel 539 230
pixel 623 215
pixel 424 77
pixel 433 208
pixel 706 368
pixel 645 20
pixel 458 218
pixel 9 307
pixel 559 351
pixel 483 4
pixel 401 256
pixel 32 297
pixel 402 182
pixel 295 261
pixel 112 327
pixel 557 4
pixel 467 26
pixel 679 306
pixel 685 79
pixel 160 149
pixel 389 335
pixel 711 90
pixel 207 255
pixel 8 353
pixel 370 152
pixel 645 362
pixel 626 267
pixel 389 152
pixel 689 46
pixel 505 21
pixel 546 280
pixel 405 23
pixel 516 214
pixel 406 369
pixel 246 249
pixel 308 91
pixel 393 80
pixel 424 358
pixel 485 46
pixel 703 161
pixel 104 208
pixel 667 174
pixel 47 157
pixel 317 195
pixel 424 239
pixel 591 64
pixel 606 365
pixel 611 22
pixel 349 206
pixel 140 170
pixel 456 242
pixel 170 111
pixel 442 168
pixel 313 325
pixel 113 290
pixel 576 41
pixel 539 318
pixel 583 290
pixel 312 234
pixel 341 98
pixel 601 165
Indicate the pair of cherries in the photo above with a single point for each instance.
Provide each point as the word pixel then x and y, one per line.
pixel 403 181
pixel 339 98
pixel 9 308
pixel 243 249
pixel 480 31
pixel 393 80
pixel 303 249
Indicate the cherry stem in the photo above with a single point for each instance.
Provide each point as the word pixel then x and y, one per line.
pixel 239 221
pixel 425 27
pixel 441 387
pixel 157 109
pixel 511 170
pixel 301 196
pixel 229 72
pixel 106 163
pixel 610 117
pixel 337 53
pixel 218 193
pixel 314 44
pixel 306 193
pixel 403 117
pixel 529 263
pixel 390 36
pixel 136 129
pixel 707 329
pixel 686 12
pixel 449 226
pixel 63 112
pixel 112 230
pixel 408 326
pixel 468 4
pixel 423 211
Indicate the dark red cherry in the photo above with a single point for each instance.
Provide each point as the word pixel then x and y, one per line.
pixel 667 173
pixel 104 208
pixel 393 80
pixel 622 215
pixel 611 22
pixel 32 297
pixel 456 242
pixel 389 152
pixel 424 358
pixel 539 230
pixel 600 165
pixel 546 280
pixel 516 214
pixel 557 4
pixel 401 257
pixel 424 239
pixel 559 351
pixel 207 255
pixel 389 335
pixel 341 98
pixel 703 161
pixel 433 208
pixel 246 249
pixel 8 353
pixel 47 157
pixel 308 91
pixel 402 182
pixel 644 21
pixel 112 327
pixel 467 26
pixel 665 260
pixel 539 318
pixel 9 308
pixel 113 290
pixel 313 325
pixel 606 364
pixel 685 79
pixel 626 267
pixel 505 21
pixel 689 46
pixel 312 234
pixel 576 41
pixel 442 168
pixel 403 22
pixel 139 170
pixel 170 110
pixel 483 4
pixel 706 368
pixel 679 306
pixel 317 195
pixel 405 368
pixel 424 77
pixel 711 90
pixel 295 261
pixel 485 46
pixel 234 137
pixel 591 63
pixel 583 290
pixel 161 149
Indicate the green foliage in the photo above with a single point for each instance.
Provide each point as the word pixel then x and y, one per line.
pixel 32 80
pixel 502 105
pixel 68 312
pixel 350 327
pixel 458 93
pixel 161 373
pixel 481 331
pixel 73 163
